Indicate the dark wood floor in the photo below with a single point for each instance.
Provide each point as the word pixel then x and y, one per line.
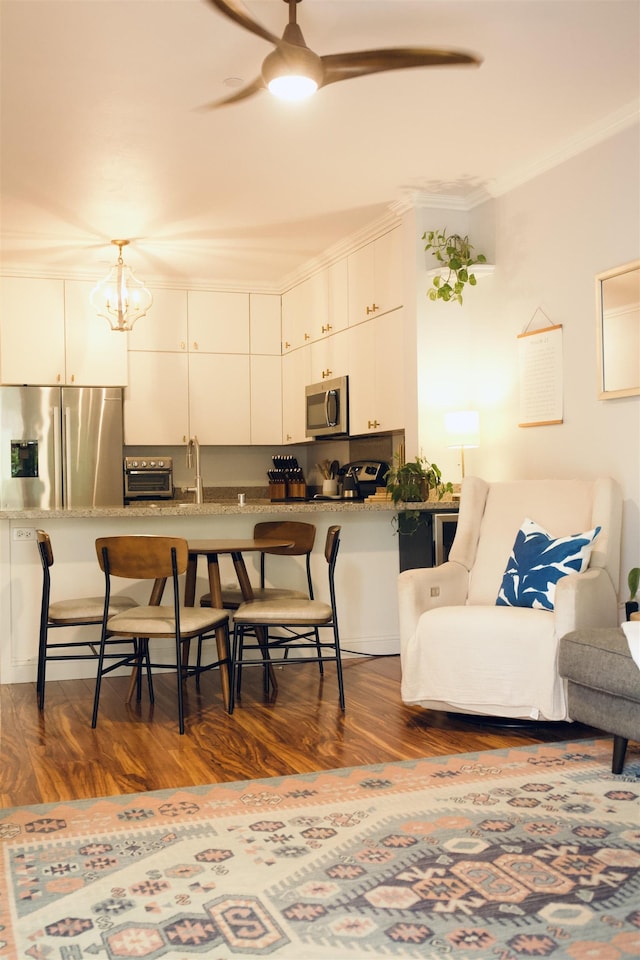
pixel 55 755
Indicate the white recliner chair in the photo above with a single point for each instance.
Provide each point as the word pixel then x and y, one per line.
pixel 462 652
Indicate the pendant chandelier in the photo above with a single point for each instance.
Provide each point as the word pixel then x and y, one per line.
pixel 120 298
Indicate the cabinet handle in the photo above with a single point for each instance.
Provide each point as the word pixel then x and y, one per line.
pixel 195 345
pixel 372 424
pixel 326 373
pixel 182 344
pixel 73 378
pixel 307 336
pixel 372 309
pixel 286 344
pixel 59 378
pixel 327 328
pixel 288 436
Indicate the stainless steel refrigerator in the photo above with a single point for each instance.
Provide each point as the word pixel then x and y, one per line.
pixel 60 447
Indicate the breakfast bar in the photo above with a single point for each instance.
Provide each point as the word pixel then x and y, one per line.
pixel 366 571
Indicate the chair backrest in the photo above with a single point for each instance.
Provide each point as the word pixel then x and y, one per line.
pixel 492 513
pixel 303 536
pixel 45 549
pixel 141 557
pixel 331 546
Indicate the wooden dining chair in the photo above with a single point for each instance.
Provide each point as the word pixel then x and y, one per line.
pixel 73 612
pixel 299 621
pixel 154 558
pixel 302 537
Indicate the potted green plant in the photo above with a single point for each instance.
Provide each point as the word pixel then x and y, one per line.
pixel 454 256
pixel 633 582
pixel 412 482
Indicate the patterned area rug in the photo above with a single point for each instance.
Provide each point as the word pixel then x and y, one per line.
pixel 528 852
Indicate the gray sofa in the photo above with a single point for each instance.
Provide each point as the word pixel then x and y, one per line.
pixel 603 685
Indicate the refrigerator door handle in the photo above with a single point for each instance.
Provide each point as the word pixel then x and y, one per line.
pixel 57 459
pixel 66 473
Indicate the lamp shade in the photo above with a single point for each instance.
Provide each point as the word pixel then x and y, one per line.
pixel 121 298
pixel 463 428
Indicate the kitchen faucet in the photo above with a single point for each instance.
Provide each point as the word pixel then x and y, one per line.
pixel 194 446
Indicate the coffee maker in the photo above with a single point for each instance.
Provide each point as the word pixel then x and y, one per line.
pixel 360 478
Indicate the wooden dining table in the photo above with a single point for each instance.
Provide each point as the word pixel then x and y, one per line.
pixel 212 550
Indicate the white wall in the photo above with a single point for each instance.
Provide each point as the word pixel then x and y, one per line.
pixel 552 236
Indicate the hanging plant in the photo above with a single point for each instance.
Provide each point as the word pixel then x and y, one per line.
pixel 454 255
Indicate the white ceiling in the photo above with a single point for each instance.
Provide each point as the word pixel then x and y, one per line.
pixel 102 138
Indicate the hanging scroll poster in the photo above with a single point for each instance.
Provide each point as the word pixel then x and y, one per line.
pixel 540 367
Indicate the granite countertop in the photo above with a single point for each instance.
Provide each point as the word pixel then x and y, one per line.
pixel 173 508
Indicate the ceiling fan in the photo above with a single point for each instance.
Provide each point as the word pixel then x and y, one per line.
pixel 293 71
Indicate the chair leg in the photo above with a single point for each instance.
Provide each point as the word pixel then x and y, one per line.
pixel 180 686
pixel 339 667
pixel 234 665
pixel 319 649
pixel 42 664
pixel 619 751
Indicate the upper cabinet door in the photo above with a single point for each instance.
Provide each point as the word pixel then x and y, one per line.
pixel 219 398
pixel 376 278
pixel 32 331
pixel 218 322
pixel 164 327
pixel 156 404
pixel 265 329
pixel 305 312
pixel 338 313
pixel 96 355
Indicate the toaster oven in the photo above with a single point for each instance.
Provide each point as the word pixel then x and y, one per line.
pixel 148 479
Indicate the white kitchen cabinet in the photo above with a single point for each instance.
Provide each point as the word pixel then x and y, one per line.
pixel 219 398
pixel 156 400
pixel 218 322
pixel 376 375
pixel 95 354
pixel 330 357
pixel 305 311
pixel 338 314
pixel 376 277
pixel 165 325
pixel 265 329
pixel 49 334
pixel 32 331
pixel 266 400
pixel 296 374
pixel 173 396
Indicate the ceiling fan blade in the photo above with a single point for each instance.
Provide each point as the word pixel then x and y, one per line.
pixel 344 66
pixel 237 11
pixel 248 91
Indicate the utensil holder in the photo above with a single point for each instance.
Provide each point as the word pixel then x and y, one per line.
pixel 277 490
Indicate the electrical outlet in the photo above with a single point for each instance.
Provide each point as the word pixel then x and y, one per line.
pixel 24 533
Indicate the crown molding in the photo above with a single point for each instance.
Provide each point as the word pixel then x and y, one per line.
pixel 616 122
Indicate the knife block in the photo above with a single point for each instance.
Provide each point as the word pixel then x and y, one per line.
pixel 277 491
pixel 297 490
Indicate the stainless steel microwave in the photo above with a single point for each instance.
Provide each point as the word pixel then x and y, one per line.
pixel 327 408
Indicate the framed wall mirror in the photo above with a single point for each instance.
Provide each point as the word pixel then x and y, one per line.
pixel 618 320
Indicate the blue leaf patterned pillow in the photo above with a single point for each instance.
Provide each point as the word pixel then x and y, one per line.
pixel 538 561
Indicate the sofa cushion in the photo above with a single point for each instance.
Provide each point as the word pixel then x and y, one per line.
pixel 538 561
pixel 599 658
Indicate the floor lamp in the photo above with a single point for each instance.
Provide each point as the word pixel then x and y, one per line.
pixel 463 430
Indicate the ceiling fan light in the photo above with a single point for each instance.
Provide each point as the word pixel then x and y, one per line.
pixel 292 73
pixel 292 87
